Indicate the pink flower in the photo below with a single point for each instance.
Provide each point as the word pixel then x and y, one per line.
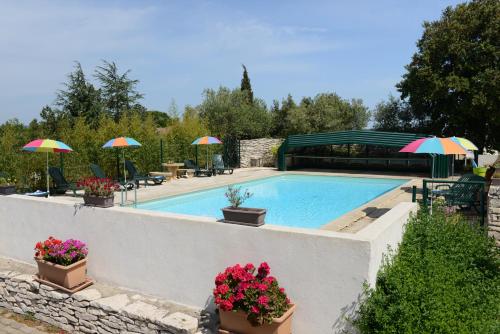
pixel 263 300
pixel 254 309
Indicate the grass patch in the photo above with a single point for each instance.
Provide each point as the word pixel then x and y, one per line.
pixel 444 278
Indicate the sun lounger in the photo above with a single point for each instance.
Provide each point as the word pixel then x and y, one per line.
pixel 60 184
pixel 218 165
pixel 190 164
pixel 137 177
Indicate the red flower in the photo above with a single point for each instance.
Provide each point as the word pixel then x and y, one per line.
pixel 249 267
pixel 263 270
pixel 226 305
pixel 263 300
pixel 223 289
pixel 220 278
pixel 255 293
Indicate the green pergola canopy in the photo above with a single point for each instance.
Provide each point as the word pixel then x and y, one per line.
pixel 360 137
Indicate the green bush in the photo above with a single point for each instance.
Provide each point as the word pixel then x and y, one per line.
pixel 444 278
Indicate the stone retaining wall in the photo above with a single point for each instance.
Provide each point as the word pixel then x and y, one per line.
pixel 494 210
pixel 87 311
pixel 258 149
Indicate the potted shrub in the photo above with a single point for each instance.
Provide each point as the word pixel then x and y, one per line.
pixel 98 192
pixel 252 302
pixel 63 264
pixel 235 214
pixel 7 186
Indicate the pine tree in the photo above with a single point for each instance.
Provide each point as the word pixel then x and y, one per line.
pixel 246 86
pixel 80 98
pixel 118 90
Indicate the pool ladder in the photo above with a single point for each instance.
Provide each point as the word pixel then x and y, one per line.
pixel 124 194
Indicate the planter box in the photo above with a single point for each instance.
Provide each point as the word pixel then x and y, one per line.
pixel 244 216
pixel 67 277
pixel 236 322
pixel 101 202
pixel 7 190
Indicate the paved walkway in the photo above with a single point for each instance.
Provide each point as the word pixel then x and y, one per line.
pixel 10 326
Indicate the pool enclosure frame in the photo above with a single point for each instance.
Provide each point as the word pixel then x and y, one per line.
pixel 360 137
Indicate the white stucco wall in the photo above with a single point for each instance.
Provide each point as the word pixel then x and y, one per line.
pixel 177 257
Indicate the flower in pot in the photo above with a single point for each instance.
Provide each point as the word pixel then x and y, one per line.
pixel 235 214
pixel 63 264
pixel 98 191
pixel 251 301
pixel 7 186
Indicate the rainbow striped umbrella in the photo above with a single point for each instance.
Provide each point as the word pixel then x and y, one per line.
pixel 465 143
pixel 432 146
pixel 122 142
pixel 47 146
pixel 206 140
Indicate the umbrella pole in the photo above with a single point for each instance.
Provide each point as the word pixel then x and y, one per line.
pixel 432 172
pixel 124 172
pixel 48 192
pixel 207 156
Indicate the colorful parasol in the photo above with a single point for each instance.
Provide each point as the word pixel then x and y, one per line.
pixel 206 140
pixel 47 146
pixel 122 142
pixel 434 145
pixel 465 143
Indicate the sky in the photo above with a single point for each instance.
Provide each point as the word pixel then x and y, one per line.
pixel 176 49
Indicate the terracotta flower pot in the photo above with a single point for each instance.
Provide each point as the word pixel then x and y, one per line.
pixel 65 276
pixel 7 190
pixel 244 216
pixel 237 322
pixel 101 202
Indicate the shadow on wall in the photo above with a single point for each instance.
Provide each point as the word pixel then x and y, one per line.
pixel 344 323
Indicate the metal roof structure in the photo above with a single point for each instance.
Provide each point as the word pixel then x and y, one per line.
pixel 360 137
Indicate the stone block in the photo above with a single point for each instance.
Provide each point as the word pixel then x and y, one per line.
pixel 87 295
pixel 111 304
pixel 144 311
pixel 180 322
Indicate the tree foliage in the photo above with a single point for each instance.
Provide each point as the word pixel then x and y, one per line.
pixel 227 114
pixel 452 82
pixel 325 112
pixel 80 98
pixel 444 278
pixel 394 115
pixel 118 90
pixel 246 87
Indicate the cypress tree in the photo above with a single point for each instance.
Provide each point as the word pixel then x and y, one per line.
pixel 246 86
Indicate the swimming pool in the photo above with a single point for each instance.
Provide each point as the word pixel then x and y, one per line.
pixel 291 200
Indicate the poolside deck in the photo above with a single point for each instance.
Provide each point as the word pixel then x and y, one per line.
pixel 351 222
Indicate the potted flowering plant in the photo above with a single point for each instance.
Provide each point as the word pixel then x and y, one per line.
pixel 235 214
pixel 252 302
pixel 7 186
pixel 63 264
pixel 98 191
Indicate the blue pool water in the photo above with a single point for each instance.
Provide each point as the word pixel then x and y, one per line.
pixel 290 200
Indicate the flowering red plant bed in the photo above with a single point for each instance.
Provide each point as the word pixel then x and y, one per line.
pixel 98 191
pixel 62 263
pixel 251 301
